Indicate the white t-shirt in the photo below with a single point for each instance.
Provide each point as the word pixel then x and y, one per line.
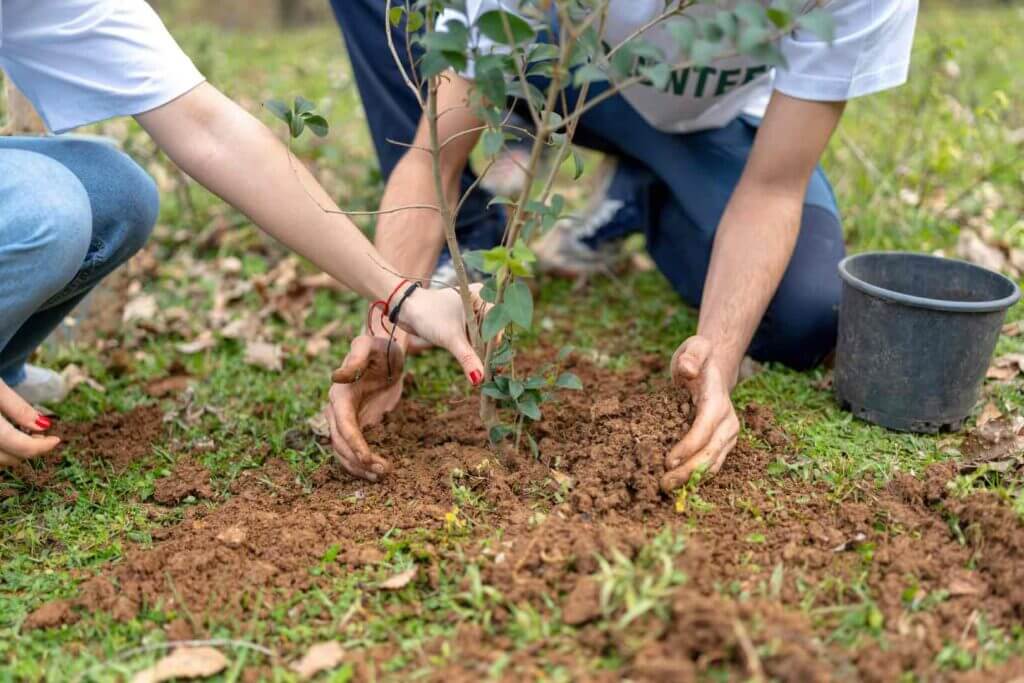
pixel 82 61
pixel 870 52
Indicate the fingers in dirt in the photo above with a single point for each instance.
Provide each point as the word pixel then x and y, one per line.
pixel 348 457
pixel 18 410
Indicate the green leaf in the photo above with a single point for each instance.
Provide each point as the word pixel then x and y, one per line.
pixel 493 141
pixel 684 33
pixel 515 388
pixel 535 382
pixel 494 259
pixel 507 201
pixel 496 320
pixel 519 304
pixel 317 124
pixel 705 52
pixel 414 22
pixel 492 25
pixel 533 445
pixel 727 22
pixel 568 380
pixel 395 15
pixel 751 13
pixel 491 390
pixel 491 83
pixel 498 433
pixel 577 160
pixel 543 52
pixel 658 75
pixel 279 109
pixel 527 405
pixel 564 352
pixel 751 38
pixel 433 63
pixel 296 125
pixel 302 105
pixel 779 17
pixel 768 53
pixel 819 22
pixel 474 259
pixel 503 354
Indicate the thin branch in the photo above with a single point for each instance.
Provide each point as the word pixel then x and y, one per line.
pixel 667 14
pixel 472 186
pixel 394 52
pixel 291 163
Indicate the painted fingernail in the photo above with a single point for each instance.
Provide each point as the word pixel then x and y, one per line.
pixel 476 377
pixel 43 422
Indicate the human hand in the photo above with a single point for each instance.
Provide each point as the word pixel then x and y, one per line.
pixel 364 391
pixel 438 317
pixel 17 446
pixel 715 428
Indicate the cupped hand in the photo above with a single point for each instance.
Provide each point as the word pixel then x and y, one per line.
pixel 715 428
pixel 15 445
pixel 364 391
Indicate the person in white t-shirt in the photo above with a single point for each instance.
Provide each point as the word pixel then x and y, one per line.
pixel 71 210
pixel 719 169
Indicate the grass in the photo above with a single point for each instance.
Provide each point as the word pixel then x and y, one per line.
pixel 899 160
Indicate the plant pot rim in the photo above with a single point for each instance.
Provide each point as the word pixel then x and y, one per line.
pixel 894 296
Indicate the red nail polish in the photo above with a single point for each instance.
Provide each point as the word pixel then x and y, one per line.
pixel 475 377
pixel 43 422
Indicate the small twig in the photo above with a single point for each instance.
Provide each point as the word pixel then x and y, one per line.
pixel 394 52
pixel 749 651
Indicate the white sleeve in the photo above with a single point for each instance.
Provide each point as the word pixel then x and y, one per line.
pixel 82 61
pixel 870 53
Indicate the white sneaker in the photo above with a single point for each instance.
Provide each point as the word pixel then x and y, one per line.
pixel 41 386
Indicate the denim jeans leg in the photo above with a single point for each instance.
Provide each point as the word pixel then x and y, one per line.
pixel 96 208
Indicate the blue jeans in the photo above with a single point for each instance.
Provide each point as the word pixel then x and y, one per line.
pixel 71 211
pixel 674 186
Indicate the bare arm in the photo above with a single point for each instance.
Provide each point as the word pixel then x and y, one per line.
pixel 753 246
pixel 236 157
pixel 764 211
pixel 412 240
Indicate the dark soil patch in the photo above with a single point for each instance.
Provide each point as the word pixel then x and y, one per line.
pixel 776 568
pixel 118 438
pixel 189 478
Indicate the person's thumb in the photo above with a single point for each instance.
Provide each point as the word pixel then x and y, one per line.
pixel 467 358
pixel 691 358
pixel 355 362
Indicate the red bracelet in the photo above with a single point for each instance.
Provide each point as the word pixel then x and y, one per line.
pixel 385 308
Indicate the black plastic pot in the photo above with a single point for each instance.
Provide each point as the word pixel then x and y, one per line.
pixel 916 334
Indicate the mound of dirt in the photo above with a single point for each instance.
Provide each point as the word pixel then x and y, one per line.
pixel 189 478
pixel 116 438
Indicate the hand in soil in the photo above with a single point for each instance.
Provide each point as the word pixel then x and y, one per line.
pixel 360 397
pixel 715 428
pixel 15 445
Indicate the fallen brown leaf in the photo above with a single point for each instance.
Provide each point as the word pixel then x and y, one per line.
pixel 1006 367
pixel 971 247
pixel 140 308
pixel 201 343
pixel 1011 329
pixel 265 355
pixel 966 583
pixel 320 657
pixel 158 388
pixel 988 413
pixel 400 580
pixel 74 375
pixel 185 662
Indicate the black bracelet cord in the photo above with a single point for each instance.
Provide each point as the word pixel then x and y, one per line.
pixel 393 319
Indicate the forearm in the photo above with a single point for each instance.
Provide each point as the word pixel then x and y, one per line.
pixel 752 249
pixel 411 240
pixel 237 158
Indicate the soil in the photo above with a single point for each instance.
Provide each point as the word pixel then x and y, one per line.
pixel 772 562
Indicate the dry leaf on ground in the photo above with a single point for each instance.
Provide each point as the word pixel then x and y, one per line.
pixel 970 247
pixel 400 580
pixel 185 662
pixel 203 342
pixel 988 413
pixel 320 657
pixel 140 308
pixel 265 355
pixel 74 375
pixel 1006 367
